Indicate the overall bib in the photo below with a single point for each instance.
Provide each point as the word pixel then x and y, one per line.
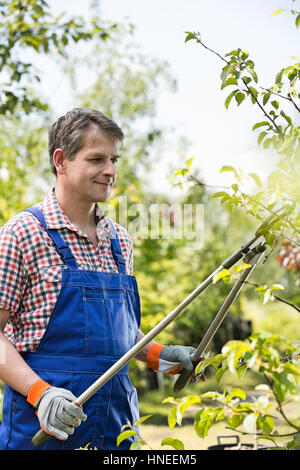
pixel 95 321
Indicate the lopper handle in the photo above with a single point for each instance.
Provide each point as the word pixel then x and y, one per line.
pixel 39 438
pixel 183 379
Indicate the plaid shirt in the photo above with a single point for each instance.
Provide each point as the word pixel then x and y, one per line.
pixel 30 267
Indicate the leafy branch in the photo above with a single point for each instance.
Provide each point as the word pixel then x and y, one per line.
pixel 29 25
pixel 268 293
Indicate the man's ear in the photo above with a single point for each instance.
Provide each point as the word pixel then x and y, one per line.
pixel 59 161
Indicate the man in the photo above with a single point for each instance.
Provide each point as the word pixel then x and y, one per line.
pixel 69 303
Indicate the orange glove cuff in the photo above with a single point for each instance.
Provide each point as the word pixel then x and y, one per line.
pixel 37 391
pixel 152 358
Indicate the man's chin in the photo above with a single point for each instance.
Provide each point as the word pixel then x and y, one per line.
pixel 102 197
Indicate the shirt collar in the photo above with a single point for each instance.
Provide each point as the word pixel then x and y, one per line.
pixel 56 218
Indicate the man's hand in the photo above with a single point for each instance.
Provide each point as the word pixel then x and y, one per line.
pixel 182 354
pixel 57 413
pixel 172 359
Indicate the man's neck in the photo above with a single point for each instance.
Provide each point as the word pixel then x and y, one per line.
pixel 80 213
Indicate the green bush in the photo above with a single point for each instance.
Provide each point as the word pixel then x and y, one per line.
pixel 276 361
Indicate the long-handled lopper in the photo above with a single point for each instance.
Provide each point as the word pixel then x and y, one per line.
pixel 253 257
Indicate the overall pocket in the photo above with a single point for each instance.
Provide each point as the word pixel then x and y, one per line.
pixel 109 329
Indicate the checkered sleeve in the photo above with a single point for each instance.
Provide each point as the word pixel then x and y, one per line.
pixel 12 271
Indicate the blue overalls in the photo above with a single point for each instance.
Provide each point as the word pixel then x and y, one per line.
pixel 95 321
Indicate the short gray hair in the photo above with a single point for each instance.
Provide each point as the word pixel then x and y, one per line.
pixel 68 131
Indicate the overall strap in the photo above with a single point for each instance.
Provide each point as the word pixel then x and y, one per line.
pixel 62 248
pixel 116 249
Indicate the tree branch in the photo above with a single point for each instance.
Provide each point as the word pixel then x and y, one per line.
pixel 288 97
pixel 246 85
pixel 270 382
pixel 191 177
pixel 261 107
pixel 263 435
pixel 275 296
pixel 292 101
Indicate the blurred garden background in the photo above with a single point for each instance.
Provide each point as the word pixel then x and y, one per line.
pixel 160 70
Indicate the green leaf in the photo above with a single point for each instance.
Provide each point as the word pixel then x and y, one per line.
pixel 267 424
pixel 241 371
pixel 189 162
pixel 214 395
pixel 124 435
pixel 295 443
pixel 277 11
pixel 168 399
pixel 189 36
pixel 228 168
pixel 261 136
pixel 292 74
pixel 277 286
pixel 221 194
pixel 235 421
pixel 286 117
pixel 254 74
pixel 138 444
pixel 260 124
pixel 241 267
pixel 186 402
pixel 298 21
pixel 256 179
pixel 266 98
pixel 229 81
pixel 172 418
pixel 142 419
pixel 203 421
pixel 265 295
pixel 292 369
pixel 214 361
pixel 127 425
pixel 238 392
pixel 268 142
pixel 245 54
pixel 239 97
pixel 219 374
pixel 229 98
pixel 234 351
pixel 224 274
pixel 179 172
pixel 275 104
pixel 175 443
pixel 279 76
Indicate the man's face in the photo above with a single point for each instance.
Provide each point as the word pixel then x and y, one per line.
pixel 90 176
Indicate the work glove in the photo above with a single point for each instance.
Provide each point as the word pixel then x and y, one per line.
pixel 182 354
pixel 172 359
pixel 57 414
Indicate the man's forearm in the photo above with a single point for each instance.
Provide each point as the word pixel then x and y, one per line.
pixel 13 369
pixel 141 356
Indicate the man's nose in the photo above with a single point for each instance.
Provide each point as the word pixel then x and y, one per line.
pixel 109 168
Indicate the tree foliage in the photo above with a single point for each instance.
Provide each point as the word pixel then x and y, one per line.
pixel 279 132
pixel 260 416
pixel 27 29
